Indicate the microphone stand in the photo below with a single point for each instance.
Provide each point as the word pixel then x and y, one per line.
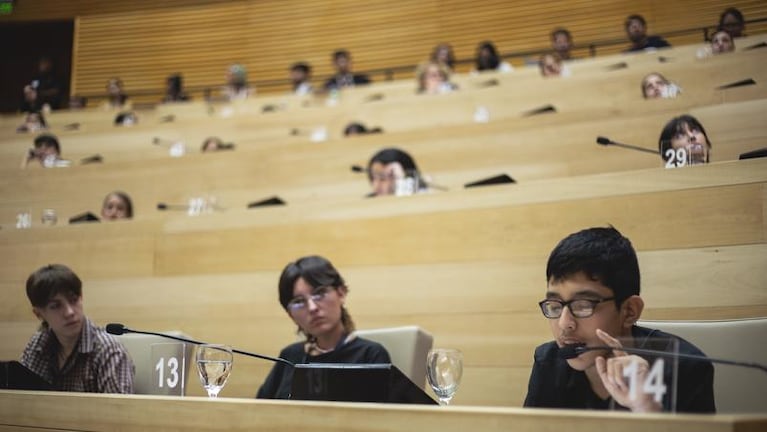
pixel 119 329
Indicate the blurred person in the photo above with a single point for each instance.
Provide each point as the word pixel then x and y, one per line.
pixel 300 78
pixel 44 89
pixel 355 128
pixel 733 22
pixel 655 85
pixel 344 77
pixel 116 97
pixel 46 151
pixel 126 118
pixel 434 78
pixel 391 171
pixel 443 54
pixel 69 350
pixel 721 42
pixel 551 65
pixel 34 121
pixel 237 87
pixel 174 89
pixel 684 132
pixel 636 30
pixel 562 43
pixel 214 144
pixel 487 58
pixel 313 294
pixel 117 205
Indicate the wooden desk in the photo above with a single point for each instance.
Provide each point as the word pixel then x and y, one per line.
pixel 42 411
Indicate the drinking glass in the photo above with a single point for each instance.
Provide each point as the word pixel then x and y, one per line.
pixel 444 368
pixel 214 363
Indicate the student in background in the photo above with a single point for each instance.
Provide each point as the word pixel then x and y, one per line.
pixel 46 151
pixel 732 21
pixel 562 43
pixel 344 77
pixel 313 293
pixel 174 89
pixel 300 78
pixel 655 85
pixel 487 59
pixel 443 54
pixel 117 205
pixel 237 87
pixel 434 78
pixel 69 351
pixel 636 30
pixel 44 89
pixel 721 42
pixel 392 171
pixel 116 97
pixel 33 122
pixel 356 128
pixel 592 299
pixel 551 65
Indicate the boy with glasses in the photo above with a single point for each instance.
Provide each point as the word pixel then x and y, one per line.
pixel 592 299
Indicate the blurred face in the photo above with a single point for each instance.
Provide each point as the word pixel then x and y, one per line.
pixel 318 310
pixel 343 64
pixel 443 54
pixel 46 152
pixel 385 177
pixel 297 76
pixel 550 66
pixel 114 208
pixel 636 31
pixel 732 25
pixel 433 78
pixel 654 86
pixel 33 121
pixel 114 88
pixel 561 43
pixel 63 314
pixel 568 329
pixel 689 135
pixel 722 43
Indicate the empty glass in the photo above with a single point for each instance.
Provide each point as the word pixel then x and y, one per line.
pixel 214 363
pixel 444 368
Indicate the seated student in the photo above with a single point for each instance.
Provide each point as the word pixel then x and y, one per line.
pixel 551 66
pixel 636 30
pixel 592 298
pixel 214 144
pixel 391 171
pixel 684 132
pixel 721 42
pixel 69 351
pixel 300 78
pixel 655 85
pixel 443 54
pixel 237 87
pixel 562 43
pixel 46 151
pixel 313 294
pixel 117 99
pixel 174 89
pixel 487 59
pixel 434 78
pixel 344 76
pixel 126 118
pixel 732 21
pixel 117 205
pixel 34 121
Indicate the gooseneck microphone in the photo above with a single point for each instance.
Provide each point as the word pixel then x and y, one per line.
pixel 572 351
pixel 608 142
pixel 165 206
pixel 119 329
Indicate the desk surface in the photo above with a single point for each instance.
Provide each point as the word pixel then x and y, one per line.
pixel 92 412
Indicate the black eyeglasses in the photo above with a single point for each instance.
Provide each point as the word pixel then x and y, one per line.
pixel 580 308
pixel 300 303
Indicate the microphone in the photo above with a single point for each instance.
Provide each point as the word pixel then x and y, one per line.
pixel 164 206
pixel 119 329
pixel 607 141
pixel 97 158
pixel 572 351
pixel 162 141
pixel 361 169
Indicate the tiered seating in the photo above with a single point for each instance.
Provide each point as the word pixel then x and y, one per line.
pixel 467 265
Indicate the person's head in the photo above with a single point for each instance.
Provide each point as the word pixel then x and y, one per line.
pixel 237 76
pixel 654 85
pixel 212 144
pixel 300 73
pixel 685 132
pixel 721 42
pixel 313 293
pixel 342 61
pixel 114 87
pixel 432 76
pixel 44 65
pixel 550 64
pixel 733 22
pixel 386 167
pixel 636 28
pixel 355 129
pixel 56 295
pixel 46 147
pixel 117 205
pixel 597 271
pixel 487 56
pixel 443 54
pixel 126 118
pixel 562 42
pixel 174 85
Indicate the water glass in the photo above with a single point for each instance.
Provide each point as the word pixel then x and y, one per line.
pixel 444 369
pixel 214 364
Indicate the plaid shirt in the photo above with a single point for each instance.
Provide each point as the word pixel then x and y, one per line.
pixel 98 364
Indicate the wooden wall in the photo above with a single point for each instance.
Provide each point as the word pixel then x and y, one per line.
pixel 144 41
